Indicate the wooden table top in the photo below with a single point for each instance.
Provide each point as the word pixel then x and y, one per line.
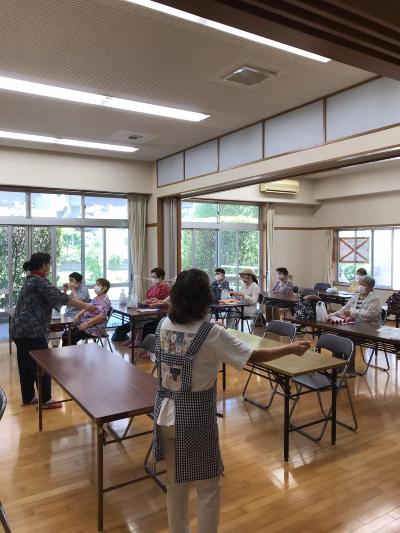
pixel 134 312
pixel 290 365
pixel 362 330
pixel 281 296
pixel 224 306
pixel 105 386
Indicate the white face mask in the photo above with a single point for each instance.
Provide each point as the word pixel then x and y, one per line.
pixel 218 277
pixel 362 290
pixel 154 281
pixel 97 289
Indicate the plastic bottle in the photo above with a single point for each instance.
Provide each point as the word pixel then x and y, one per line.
pixel 133 302
pixel 122 298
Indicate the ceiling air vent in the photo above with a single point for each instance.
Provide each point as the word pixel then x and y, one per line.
pixel 133 137
pixel 248 76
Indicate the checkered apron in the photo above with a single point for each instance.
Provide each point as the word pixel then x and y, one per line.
pixel 197 453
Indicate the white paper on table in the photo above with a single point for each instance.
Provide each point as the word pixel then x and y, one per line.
pixel 146 310
pixel 393 333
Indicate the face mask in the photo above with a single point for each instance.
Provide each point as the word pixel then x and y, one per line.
pixel 358 277
pixel 362 290
pixel 281 277
pixel 218 277
pixel 97 289
pixel 154 281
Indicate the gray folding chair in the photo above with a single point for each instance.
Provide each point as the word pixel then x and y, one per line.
pixel 149 345
pixel 104 334
pixel 322 286
pixel 3 518
pixel 277 327
pixel 307 292
pixel 319 382
pixel 374 351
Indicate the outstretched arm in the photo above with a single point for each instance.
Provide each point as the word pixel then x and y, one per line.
pixel 263 355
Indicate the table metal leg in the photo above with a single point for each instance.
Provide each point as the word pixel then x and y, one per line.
pixel 242 319
pixel 223 376
pixel 286 421
pixel 39 386
pixel 100 444
pixel 333 414
pixel 9 335
pixel 132 341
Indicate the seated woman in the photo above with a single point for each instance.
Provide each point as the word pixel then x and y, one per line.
pixel 78 290
pixel 158 291
pixel 364 305
pixel 284 285
pixel 354 286
pixel 91 324
pixel 249 294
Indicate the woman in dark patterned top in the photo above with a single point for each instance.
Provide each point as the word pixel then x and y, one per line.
pixel 30 325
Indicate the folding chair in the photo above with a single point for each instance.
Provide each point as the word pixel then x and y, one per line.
pixel 342 348
pixel 149 345
pixel 103 334
pixel 3 518
pixel 277 327
pixel 374 351
pixel 322 286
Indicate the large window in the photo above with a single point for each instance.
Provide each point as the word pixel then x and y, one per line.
pixel 220 235
pixel 377 250
pixel 82 234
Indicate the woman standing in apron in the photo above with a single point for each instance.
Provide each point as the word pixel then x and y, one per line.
pixel 189 350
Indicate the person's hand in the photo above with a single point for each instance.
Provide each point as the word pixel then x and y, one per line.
pixel 347 312
pixel 83 326
pixel 300 347
pixel 151 301
pixel 235 293
pixel 90 308
pixel 65 287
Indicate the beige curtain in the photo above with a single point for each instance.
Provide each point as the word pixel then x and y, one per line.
pixel 170 250
pixel 137 216
pixel 270 243
pixel 329 256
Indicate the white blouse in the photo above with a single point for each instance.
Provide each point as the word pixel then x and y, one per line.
pixel 250 296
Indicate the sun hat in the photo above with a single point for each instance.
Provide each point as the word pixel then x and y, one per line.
pixel 247 271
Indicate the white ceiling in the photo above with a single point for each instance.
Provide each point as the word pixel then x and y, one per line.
pixel 116 48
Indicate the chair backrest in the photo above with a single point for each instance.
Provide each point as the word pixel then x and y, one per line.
pixel 383 315
pixel 322 286
pixel 281 328
pixel 3 402
pixel 306 292
pixel 339 346
pixel 149 343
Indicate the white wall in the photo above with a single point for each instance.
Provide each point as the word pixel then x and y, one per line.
pixel 30 168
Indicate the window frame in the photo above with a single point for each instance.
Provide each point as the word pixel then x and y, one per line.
pixel 223 226
pixel 372 251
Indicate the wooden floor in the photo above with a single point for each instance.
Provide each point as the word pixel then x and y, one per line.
pixel 46 480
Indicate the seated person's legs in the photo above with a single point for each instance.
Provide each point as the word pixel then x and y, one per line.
pixel 74 336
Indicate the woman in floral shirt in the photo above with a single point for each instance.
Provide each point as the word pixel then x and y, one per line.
pixel 91 324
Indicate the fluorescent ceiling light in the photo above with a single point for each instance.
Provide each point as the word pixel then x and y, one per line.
pixel 65 142
pixel 227 29
pixel 82 97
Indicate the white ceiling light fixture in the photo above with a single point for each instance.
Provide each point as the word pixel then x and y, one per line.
pixel 227 29
pixel 82 97
pixel 12 135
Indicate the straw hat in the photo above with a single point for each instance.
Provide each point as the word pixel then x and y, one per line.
pixel 247 271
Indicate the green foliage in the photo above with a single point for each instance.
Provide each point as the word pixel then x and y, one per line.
pixel 114 263
pixel 94 269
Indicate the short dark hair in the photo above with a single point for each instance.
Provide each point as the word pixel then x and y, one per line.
pixel 160 272
pixel 361 271
pixel 220 271
pixel 190 296
pixel 76 276
pixel 103 282
pixel 36 261
pixel 283 270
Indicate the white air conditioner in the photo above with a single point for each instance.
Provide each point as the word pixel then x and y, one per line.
pixel 281 187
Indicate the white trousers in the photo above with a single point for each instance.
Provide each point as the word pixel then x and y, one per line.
pixel 208 493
